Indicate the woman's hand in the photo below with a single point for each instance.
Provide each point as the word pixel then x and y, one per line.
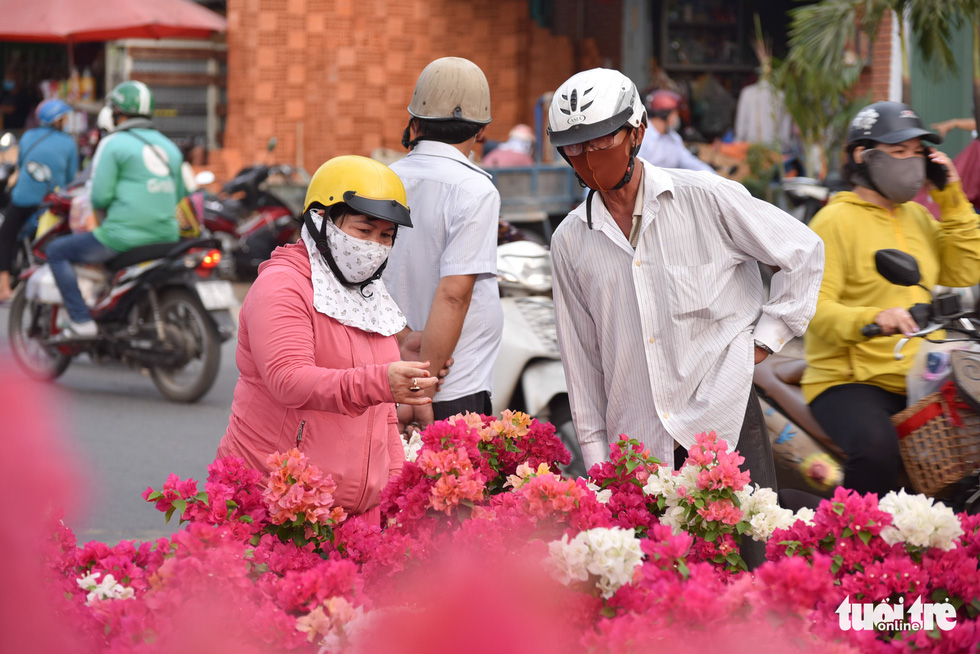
pixel 943 160
pixel 896 320
pixel 404 376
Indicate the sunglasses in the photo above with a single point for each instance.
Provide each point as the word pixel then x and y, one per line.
pixel 598 143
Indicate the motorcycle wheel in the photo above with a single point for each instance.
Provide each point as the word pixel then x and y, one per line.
pixel 561 418
pixel 188 326
pixel 37 360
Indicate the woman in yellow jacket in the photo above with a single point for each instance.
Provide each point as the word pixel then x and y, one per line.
pixel 854 384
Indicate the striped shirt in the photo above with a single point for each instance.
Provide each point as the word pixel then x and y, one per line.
pixel 657 341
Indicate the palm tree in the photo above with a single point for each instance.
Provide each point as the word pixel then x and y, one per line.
pixel 822 67
pixel 822 33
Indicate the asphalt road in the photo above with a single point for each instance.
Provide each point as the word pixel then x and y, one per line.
pixel 127 437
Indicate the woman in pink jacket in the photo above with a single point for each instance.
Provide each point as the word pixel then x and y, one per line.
pixel 317 353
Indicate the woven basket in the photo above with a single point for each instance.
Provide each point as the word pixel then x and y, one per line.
pixel 939 438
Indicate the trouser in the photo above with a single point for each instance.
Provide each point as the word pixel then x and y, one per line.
pixel 61 254
pixel 475 403
pixel 858 418
pixel 755 448
pixel 14 217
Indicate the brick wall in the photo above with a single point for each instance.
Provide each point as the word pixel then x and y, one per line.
pixel 876 78
pixel 330 77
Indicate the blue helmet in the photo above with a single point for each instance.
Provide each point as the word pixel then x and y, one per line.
pixel 51 110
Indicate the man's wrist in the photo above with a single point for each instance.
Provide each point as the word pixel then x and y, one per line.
pixel 762 346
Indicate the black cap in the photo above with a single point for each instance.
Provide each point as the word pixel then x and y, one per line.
pixel 888 122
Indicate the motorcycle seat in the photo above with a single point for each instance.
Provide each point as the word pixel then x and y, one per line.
pixel 156 251
pixel 779 378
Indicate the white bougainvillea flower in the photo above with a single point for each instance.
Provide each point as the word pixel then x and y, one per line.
pixel 609 556
pixel 601 496
pixel 918 521
pixel 108 588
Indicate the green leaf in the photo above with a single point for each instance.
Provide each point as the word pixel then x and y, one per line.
pixel 733 558
pixel 865 536
pixel 699 503
pixel 247 519
pixel 607 612
pixel 168 514
pixel 155 495
pixel 683 569
pixel 847 533
pixel 742 527
pixel 711 536
pixel 180 505
pixel 631 466
pixel 202 497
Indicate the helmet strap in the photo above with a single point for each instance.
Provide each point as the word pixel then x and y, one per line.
pixel 588 207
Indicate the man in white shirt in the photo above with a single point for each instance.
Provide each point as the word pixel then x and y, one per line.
pixel 662 145
pixel 443 275
pixel 658 296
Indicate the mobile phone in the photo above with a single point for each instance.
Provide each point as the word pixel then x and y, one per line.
pixel 935 173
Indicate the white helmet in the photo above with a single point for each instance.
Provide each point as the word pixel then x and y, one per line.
pixel 592 104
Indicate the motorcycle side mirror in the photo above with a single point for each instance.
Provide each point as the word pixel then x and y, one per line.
pixel 204 178
pixel 7 141
pixel 272 144
pixel 897 267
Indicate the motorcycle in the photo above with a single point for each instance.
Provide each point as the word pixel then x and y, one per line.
pixel 252 216
pixel 806 457
pixel 157 307
pixel 528 374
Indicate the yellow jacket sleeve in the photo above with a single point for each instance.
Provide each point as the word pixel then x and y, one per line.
pixel 957 237
pixel 836 323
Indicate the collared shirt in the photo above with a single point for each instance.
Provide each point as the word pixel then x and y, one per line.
pixel 637 210
pixel 657 342
pixel 668 151
pixel 455 211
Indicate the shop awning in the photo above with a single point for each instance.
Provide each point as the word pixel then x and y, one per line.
pixel 76 21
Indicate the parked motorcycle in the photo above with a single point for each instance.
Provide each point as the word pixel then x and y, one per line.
pixel 157 308
pixel 528 374
pixel 251 216
pixel 806 457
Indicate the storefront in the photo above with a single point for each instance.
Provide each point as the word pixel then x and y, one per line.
pixel 81 50
pixel 705 48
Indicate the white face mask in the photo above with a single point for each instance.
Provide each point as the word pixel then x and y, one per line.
pixel 374 311
pixel 357 258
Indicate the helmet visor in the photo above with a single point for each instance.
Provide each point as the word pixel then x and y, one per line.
pixel 582 133
pixel 910 133
pixel 391 210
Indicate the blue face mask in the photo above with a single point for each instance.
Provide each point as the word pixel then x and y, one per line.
pixel 8 85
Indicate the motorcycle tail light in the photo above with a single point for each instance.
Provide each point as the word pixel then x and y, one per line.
pixel 211 259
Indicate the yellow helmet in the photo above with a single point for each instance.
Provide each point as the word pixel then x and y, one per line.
pixel 365 185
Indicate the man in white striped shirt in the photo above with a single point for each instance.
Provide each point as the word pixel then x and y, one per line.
pixel 658 297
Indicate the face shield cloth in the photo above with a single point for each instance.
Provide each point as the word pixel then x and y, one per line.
pixel 899 180
pixel 372 310
pixel 357 259
pixel 603 170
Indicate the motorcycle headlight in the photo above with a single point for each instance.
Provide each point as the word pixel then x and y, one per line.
pixel 533 273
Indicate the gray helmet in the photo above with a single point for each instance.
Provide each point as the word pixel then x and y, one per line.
pixel 452 88
pixel 888 122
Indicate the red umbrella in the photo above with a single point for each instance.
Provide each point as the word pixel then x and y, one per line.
pixel 76 21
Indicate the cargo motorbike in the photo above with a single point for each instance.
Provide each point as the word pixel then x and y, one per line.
pixel 157 307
